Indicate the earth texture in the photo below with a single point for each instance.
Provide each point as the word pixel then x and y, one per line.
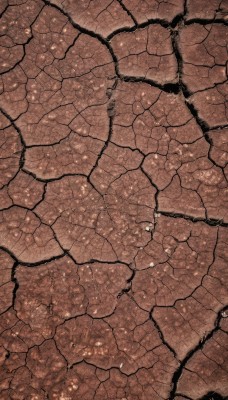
pixel 113 200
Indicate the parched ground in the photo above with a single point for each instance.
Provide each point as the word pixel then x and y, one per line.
pixel 113 200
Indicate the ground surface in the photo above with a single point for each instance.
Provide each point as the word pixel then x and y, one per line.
pixel 113 220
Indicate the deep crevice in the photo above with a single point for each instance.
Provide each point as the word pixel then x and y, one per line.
pixel 162 336
pixel 177 374
pixel 167 87
pixel 205 21
pixel 23 145
pixel 211 222
pixel 111 114
pixel 15 281
pixel 213 396
pixel 127 11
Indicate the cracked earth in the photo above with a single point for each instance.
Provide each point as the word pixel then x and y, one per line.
pixel 113 200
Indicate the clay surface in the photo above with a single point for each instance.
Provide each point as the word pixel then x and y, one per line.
pixel 113 200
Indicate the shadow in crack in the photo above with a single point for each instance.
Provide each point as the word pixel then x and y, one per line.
pixel 213 396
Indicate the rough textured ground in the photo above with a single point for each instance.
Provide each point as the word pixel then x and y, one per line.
pixel 113 200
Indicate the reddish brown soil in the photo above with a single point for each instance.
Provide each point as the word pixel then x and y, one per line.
pixel 113 200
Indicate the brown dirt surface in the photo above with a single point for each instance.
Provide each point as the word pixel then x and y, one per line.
pixel 113 200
